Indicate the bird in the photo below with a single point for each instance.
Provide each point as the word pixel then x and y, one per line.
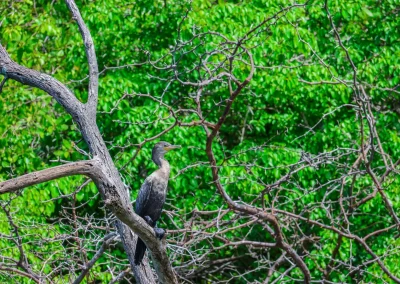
pixel 152 194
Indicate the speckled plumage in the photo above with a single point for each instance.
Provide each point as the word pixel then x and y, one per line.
pixel 152 195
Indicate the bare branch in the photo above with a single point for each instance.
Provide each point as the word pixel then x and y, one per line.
pixel 91 57
pixel 106 242
pixel 22 273
pixel 120 276
pixel 87 168
pixel 27 76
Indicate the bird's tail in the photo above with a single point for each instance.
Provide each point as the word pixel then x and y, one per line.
pixel 139 252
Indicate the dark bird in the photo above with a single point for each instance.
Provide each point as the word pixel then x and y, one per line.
pixel 152 195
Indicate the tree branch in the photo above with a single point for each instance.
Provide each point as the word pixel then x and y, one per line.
pixel 244 208
pixel 91 57
pixel 33 78
pixel 106 242
pixel 87 168
pixel 22 273
pixel 142 273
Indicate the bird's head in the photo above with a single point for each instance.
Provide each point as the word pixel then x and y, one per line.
pixel 160 149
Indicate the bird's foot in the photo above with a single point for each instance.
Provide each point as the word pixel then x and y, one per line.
pixel 149 221
pixel 160 233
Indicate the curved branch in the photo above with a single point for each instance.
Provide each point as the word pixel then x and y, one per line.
pixel 87 168
pixel 19 272
pixel 33 78
pixel 244 208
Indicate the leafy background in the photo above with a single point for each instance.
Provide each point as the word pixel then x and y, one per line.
pixel 268 127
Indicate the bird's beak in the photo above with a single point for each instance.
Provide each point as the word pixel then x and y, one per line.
pixel 172 147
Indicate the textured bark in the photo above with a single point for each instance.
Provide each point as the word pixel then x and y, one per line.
pixel 87 168
pixel 91 57
pixel 143 273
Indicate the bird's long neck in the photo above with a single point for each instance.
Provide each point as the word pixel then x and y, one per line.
pixel 162 164
pixel 165 167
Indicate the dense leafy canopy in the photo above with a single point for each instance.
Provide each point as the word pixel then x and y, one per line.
pixel 293 136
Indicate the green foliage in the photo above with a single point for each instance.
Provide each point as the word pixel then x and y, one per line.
pixel 271 125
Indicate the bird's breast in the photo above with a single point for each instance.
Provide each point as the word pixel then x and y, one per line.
pixel 160 186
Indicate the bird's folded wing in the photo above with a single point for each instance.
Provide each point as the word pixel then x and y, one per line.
pixel 143 197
